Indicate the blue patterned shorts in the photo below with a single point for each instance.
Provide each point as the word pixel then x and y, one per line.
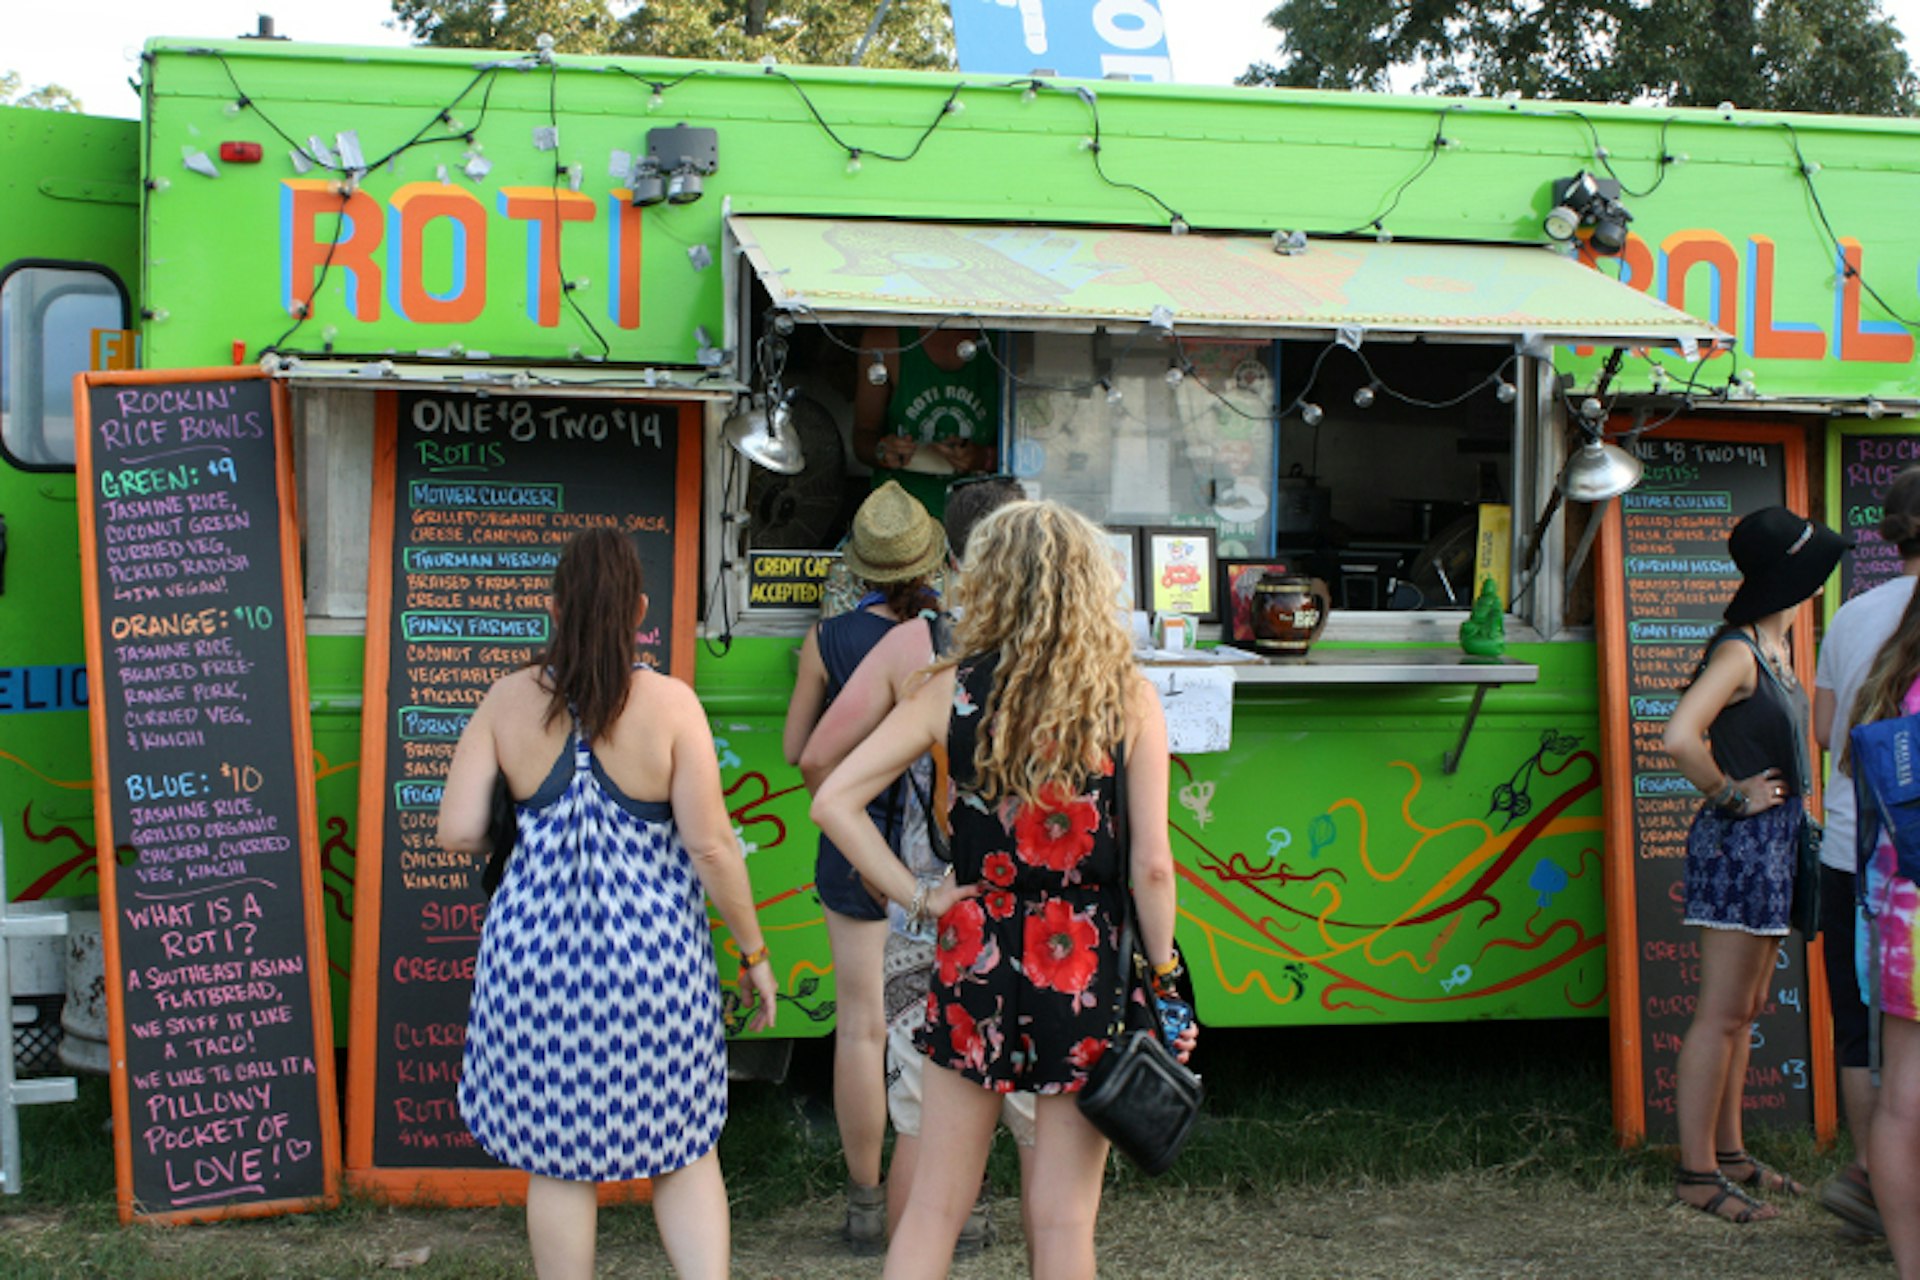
pixel 1740 870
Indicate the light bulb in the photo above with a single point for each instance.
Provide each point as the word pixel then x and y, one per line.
pixel 1178 226
pixel 1383 236
pixel 1175 375
pixel 1311 414
pixel 1029 93
pixel 456 349
pixel 1113 394
pixel 966 348
pixel 1591 408
pixel 877 373
pixel 783 324
pixel 1875 409
pixel 1505 392
pixel 654 100
pixel 232 108
pixel 521 381
pixel 955 106
pixel 853 162
pixel 1088 144
pixel 543 42
pixel 328 334
pixel 1657 376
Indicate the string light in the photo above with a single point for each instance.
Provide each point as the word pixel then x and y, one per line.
pixel 1363 397
pixel 1311 414
pixel 877 372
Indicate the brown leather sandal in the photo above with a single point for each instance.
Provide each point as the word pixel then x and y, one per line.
pixel 1750 1210
pixel 1760 1177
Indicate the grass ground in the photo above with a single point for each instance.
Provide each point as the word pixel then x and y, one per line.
pixel 1457 1150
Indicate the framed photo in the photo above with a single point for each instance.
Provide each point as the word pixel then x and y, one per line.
pixel 1237 578
pixel 1124 540
pixel 1178 568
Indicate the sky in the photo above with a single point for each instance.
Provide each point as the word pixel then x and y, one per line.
pixel 92 46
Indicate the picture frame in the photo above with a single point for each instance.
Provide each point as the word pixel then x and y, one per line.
pixel 1177 571
pixel 1124 541
pixel 1237 579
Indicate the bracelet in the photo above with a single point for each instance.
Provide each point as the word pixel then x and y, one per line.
pixel 1168 969
pixel 753 958
pixel 1735 804
pixel 917 910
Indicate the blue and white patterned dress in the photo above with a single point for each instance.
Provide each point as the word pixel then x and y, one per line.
pixel 595 1050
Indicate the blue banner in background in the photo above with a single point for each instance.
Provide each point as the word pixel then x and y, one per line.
pixel 1088 39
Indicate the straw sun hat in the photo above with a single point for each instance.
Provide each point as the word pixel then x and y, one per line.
pixel 894 538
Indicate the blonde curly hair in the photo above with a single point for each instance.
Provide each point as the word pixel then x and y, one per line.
pixel 1039 585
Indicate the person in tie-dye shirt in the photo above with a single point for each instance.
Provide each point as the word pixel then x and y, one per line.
pixel 1892 904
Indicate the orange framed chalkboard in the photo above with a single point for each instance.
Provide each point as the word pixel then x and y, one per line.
pixel 473 499
pixel 1663 578
pixel 219 1027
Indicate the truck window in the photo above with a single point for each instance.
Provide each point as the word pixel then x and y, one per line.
pixel 47 318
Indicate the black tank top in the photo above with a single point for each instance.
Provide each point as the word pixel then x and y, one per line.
pixel 1759 732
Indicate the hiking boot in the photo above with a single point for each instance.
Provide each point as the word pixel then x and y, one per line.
pixel 866 1228
pixel 1848 1196
pixel 978 1233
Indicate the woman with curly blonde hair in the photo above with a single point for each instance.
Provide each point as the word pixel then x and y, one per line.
pixel 1034 712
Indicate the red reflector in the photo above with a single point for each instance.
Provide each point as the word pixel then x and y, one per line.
pixel 240 152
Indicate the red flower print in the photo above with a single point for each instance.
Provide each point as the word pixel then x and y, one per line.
pixel 1056 835
pixel 963 1034
pixel 999 904
pixel 997 869
pixel 1087 1052
pixel 962 930
pixel 1060 951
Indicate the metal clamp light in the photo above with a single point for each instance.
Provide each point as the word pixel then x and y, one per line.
pixel 764 435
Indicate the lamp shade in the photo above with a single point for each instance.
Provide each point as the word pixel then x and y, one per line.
pixel 1599 471
pixel 767 438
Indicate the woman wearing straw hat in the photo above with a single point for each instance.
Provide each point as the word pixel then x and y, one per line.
pixel 1739 734
pixel 893 549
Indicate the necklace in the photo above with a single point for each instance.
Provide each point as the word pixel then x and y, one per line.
pixel 1776 661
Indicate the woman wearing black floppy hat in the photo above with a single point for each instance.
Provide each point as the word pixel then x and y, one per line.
pixel 1739 734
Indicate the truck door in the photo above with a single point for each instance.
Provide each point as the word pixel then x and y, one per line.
pixel 69 241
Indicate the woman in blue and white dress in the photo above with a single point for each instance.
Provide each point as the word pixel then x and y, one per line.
pixel 595 1049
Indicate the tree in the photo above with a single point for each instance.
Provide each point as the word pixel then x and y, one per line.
pixel 1787 55
pixel 914 33
pixel 46 97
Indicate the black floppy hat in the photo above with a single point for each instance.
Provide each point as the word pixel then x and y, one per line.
pixel 1783 559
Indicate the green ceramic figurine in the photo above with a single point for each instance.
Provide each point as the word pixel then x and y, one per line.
pixel 1484 633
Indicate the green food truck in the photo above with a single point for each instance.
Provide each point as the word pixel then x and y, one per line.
pixel 1303 354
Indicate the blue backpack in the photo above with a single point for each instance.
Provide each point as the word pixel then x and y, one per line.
pixel 1886 790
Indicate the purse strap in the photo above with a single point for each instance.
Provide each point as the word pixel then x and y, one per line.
pixel 1124 844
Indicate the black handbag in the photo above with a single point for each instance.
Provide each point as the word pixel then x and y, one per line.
pixel 502 831
pixel 1139 1095
pixel 1804 912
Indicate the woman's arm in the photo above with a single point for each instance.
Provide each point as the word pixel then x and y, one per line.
pixel 1729 677
pixel 706 832
pixel 1151 856
pixel 809 696
pixel 467 798
pixel 840 806
pixel 864 701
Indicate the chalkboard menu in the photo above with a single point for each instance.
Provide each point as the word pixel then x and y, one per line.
pixel 474 500
pixel 1862 460
pixel 203 781
pixel 1664 579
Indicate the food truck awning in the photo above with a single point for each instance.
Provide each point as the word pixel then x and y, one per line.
pixel 881 271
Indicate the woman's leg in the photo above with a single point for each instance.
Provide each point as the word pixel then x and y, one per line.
pixel 1732 965
pixel 561 1219
pixel 859 1043
pixel 1062 1198
pixel 1729 1125
pixel 690 1209
pixel 956 1128
pixel 1896 1142
pixel 906 1155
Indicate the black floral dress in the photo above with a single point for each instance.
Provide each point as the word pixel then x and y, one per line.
pixel 1026 976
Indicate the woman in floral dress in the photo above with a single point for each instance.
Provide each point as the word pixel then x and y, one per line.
pixel 1027 977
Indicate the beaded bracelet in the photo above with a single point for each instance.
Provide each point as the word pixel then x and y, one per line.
pixel 753 958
